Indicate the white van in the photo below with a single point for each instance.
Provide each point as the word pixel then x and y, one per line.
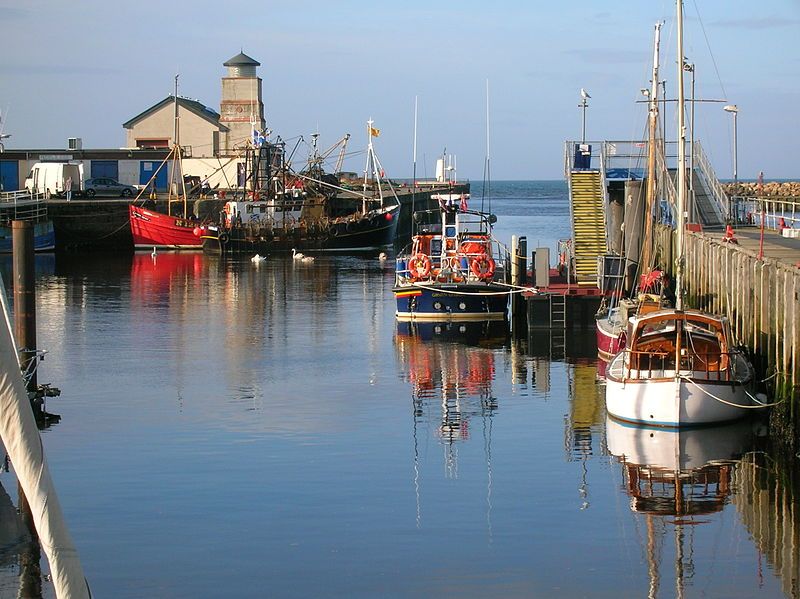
pixel 50 178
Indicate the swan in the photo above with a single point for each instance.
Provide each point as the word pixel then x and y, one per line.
pixel 258 258
pixel 307 259
pixel 297 255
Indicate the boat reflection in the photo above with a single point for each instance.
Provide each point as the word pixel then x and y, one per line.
pixel 678 478
pixel 451 366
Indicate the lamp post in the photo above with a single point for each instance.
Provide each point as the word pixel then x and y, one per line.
pixel 689 67
pixel 584 105
pixel 734 110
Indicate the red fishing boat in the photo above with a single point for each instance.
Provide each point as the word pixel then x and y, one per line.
pixel 156 229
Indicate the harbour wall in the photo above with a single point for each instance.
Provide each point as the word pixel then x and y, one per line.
pixel 761 298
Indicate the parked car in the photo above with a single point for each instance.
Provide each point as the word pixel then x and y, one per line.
pixel 103 186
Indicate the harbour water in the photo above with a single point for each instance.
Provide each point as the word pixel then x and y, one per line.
pixel 233 429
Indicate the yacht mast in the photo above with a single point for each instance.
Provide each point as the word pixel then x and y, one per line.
pixel 651 155
pixel 680 223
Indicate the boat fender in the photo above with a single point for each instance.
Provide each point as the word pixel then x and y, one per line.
pixel 419 266
pixel 482 267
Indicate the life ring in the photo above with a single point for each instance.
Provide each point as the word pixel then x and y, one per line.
pixel 482 267
pixel 419 266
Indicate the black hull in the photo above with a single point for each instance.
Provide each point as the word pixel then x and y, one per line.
pixel 366 235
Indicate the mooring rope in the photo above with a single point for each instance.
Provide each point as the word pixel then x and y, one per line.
pixel 735 405
pixel 453 292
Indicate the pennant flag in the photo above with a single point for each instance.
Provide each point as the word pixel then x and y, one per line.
pixel 374 132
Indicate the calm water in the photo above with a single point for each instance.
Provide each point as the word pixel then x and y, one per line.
pixel 241 430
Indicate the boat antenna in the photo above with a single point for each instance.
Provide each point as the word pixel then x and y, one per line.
pixel 486 169
pixel 681 165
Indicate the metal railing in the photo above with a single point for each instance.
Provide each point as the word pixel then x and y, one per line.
pixel 22 205
pixel 711 366
pixel 778 212
pixel 721 203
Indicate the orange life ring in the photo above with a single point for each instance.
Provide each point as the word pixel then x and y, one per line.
pixel 482 267
pixel 419 266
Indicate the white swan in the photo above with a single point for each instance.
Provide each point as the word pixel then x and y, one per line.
pixel 297 255
pixel 307 259
pixel 258 258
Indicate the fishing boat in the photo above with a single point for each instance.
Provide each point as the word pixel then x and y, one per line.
pixel 25 206
pixel 453 270
pixel 151 228
pixel 284 211
pixel 679 367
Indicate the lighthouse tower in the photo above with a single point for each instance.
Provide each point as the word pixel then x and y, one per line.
pixel 241 109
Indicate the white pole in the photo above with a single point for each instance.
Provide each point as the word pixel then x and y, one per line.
pixel 681 165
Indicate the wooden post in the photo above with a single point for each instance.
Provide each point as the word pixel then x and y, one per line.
pixel 24 297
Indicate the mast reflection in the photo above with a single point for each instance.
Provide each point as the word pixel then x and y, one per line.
pixel 451 367
pixel 676 477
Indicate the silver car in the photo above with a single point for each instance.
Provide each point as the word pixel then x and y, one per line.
pixel 103 186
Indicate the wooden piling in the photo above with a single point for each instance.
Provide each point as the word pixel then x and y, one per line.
pixel 24 297
pixel 761 298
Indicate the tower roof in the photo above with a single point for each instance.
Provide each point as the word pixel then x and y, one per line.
pixel 241 59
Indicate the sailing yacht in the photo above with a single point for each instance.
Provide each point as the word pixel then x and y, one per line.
pixel 612 323
pixel 679 367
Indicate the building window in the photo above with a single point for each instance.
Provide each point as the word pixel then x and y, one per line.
pixel 152 143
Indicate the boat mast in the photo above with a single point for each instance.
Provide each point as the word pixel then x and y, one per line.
pixel 681 165
pixel 414 169
pixel 372 165
pixel 651 154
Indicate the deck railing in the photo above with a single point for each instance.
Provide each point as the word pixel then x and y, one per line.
pixel 712 366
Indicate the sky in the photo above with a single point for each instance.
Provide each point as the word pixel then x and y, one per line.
pixel 81 69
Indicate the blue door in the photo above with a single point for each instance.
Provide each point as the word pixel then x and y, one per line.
pixel 9 175
pixel 105 168
pixel 146 171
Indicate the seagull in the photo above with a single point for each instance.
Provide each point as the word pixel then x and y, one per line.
pixel 585 94
pixel 297 255
pixel 258 258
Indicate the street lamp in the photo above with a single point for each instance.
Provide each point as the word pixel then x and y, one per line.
pixel 584 105
pixel 689 68
pixel 733 109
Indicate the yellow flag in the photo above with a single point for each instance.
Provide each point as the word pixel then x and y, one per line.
pixel 374 132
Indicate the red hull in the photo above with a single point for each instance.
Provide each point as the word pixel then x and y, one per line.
pixel 155 229
pixel 610 341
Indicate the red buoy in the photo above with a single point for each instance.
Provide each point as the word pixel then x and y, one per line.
pixel 388 216
pixel 197 231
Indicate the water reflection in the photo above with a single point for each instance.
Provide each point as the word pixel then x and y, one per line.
pixel 451 367
pixel 678 478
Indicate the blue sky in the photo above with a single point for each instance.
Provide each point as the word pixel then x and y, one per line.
pixel 82 69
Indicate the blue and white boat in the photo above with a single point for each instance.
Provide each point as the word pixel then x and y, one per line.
pixel 453 270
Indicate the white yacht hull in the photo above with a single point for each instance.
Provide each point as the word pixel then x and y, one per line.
pixel 676 401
